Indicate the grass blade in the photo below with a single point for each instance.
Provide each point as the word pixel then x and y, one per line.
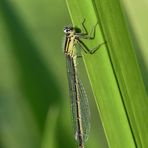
pixel 116 82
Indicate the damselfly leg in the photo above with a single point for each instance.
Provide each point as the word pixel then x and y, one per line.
pixel 85 35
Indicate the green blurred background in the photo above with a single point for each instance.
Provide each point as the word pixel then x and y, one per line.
pixel 33 85
pixel 34 101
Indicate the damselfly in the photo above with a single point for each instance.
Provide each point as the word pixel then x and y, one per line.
pixel 79 101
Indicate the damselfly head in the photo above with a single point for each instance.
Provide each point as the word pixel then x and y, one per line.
pixel 68 30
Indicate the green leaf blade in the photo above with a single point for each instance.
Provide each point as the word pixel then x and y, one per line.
pixel 114 74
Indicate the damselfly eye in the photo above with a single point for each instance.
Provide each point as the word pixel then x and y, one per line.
pixel 68 29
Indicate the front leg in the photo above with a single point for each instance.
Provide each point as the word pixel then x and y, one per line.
pixel 85 35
